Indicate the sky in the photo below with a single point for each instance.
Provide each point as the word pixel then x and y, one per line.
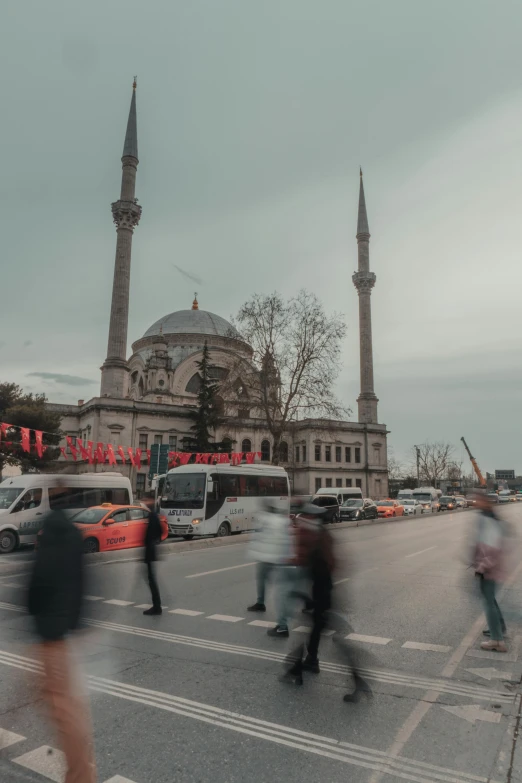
pixel 253 119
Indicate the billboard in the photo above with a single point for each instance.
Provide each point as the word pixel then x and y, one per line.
pixel 504 474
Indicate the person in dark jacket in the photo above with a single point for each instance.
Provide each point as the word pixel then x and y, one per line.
pixel 55 600
pixel 152 537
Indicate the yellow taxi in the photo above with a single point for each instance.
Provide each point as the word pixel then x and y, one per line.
pixel 389 508
pixel 109 527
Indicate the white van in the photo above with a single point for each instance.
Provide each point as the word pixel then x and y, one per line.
pixel 428 497
pixel 405 494
pixel 343 493
pixel 25 499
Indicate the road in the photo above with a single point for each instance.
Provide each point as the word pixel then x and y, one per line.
pixel 194 695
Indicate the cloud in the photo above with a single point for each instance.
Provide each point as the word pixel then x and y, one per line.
pixel 68 380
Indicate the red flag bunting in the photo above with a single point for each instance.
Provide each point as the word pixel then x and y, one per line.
pixel 38 435
pixel 83 451
pixel 137 458
pixel 90 456
pixel 130 452
pixel 3 430
pixel 72 447
pixel 224 458
pixel 99 455
pixel 184 458
pixel 111 455
pixel 250 457
pixel 121 452
pixel 148 456
pixel 25 438
pixel 64 453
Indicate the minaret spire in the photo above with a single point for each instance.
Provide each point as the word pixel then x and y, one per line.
pixel 364 280
pixel 126 214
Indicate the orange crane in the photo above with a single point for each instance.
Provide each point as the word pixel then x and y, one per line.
pixel 478 473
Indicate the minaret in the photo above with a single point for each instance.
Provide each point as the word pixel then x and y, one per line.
pixel 126 214
pixel 364 280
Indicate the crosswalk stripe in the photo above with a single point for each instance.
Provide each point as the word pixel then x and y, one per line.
pixel 93 597
pixel 359 637
pixel 421 646
pixel 119 779
pixel 45 761
pixel 9 738
pixel 225 618
pixel 187 612
pixel 118 602
pixel 262 624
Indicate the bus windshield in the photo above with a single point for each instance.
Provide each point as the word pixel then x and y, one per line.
pixel 185 490
pixel 8 496
pixel 424 497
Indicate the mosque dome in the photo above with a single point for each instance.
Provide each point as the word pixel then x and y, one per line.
pixel 193 321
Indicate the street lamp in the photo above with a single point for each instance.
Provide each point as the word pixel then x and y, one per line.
pixel 417 449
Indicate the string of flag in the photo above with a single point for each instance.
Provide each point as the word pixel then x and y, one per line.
pixel 102 453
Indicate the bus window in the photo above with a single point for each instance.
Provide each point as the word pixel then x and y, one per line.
pixel 229 485
pixel 248 486
pixel 281 486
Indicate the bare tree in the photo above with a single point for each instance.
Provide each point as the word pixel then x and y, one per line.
pixel 434 462
pixel 396 469
pixel 296 359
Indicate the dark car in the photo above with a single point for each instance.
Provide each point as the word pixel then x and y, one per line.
pixel 448 503
pixel 357 508
pixel 331 506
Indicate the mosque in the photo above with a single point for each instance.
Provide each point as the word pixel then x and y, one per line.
pixel 147 398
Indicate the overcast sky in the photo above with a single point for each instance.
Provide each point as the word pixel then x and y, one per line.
pixel 252 120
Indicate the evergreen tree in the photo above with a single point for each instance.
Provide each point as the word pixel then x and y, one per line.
pixel 206 417
pixel 27 410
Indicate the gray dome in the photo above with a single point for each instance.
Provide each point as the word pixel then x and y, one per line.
pixel 192 322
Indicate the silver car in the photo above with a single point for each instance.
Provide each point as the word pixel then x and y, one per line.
pixel 412 507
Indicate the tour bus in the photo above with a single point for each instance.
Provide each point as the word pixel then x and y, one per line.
pixel 25 499
pixel 219 500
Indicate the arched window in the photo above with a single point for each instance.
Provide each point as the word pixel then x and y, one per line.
pixel 283 451
pixel 140 388
pixel 194 385
pixel 246 445
pixel 265 450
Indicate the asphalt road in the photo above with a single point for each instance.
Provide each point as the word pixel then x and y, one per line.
pixel 194 695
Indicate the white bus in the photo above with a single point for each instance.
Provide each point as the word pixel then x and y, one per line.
pixel 218 500
pixel 26 499
pixel 428 497
pixel 343 493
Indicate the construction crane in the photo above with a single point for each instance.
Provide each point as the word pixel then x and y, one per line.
pixel 481 479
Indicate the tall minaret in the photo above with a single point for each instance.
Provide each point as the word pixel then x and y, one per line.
pixel 126 214
pixel 364 280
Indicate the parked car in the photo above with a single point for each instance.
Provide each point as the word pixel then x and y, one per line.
pixel 412 507
pixel 389 508
pixel 331 506
pixel 447 503
pixel 108 527
pixel 461 501
pixel 356 508
pixel 493 497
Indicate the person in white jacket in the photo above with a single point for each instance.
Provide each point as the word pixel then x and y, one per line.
pixel 271 546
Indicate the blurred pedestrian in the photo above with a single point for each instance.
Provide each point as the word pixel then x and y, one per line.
pixel 489 565
pixel 55 599
pixel 152 538
pixel 315 555
pixel 271 548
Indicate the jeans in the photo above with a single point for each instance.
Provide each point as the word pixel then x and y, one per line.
pixel 495 620
pixel 284 580
pixel 154 591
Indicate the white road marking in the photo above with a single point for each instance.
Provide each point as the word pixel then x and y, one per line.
pixel 491 674
pixel 225 618
pixel 118 602
pixel 263 624
pixel 12 607
pixel 188 612
pixel 414 554
pixel 302 629
pixel 93 597
pixel 421 646
pixel 340 581
pixel 359 637
pixel 119 779
pixel 45 761
pixel 473 712
pixel 218 570
pixel 147 606
pixel 9 738
pixel 10 584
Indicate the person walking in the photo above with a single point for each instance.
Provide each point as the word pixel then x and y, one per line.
pixel 489 565
pixel 55 595
pixel 152 537
pixel 271 548
pixel 315 557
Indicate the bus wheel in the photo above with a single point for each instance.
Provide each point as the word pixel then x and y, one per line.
pixel 8 542
pixel 223 530
pixel 90 545
pixel 188 538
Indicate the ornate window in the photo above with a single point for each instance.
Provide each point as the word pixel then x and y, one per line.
pixel 246 445
pixel 194 385
pixel 265 450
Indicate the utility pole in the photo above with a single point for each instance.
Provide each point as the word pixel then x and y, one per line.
pixel 418 465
